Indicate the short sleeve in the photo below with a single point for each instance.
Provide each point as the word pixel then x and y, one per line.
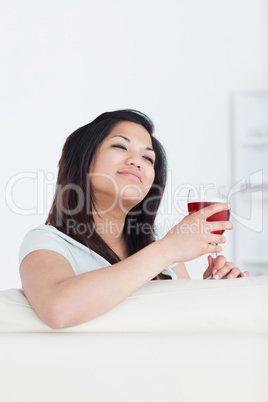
pixel 39 239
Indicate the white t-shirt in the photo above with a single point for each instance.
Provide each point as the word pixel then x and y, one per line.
pixel 81 258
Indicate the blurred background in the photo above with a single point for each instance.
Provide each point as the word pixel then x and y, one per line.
pixel 182 62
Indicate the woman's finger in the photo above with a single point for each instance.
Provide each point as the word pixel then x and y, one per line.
pixel 224 271
pixel 214 238
pixel 213 248
pixel 244 274
pixel 220 225
pixel 213 209
pixel 209 269
pixel 229 271
pixel 219 263
pixel 234 273
pixel 210 262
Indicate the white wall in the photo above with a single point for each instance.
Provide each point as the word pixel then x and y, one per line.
pixel 65 62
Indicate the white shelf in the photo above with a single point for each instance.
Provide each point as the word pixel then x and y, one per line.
pixel 246 194
pixel 257 261
pixel 250 156
pixel 254 141
pixel 263 187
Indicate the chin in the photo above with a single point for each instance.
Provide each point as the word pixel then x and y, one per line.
pixel 128 202
pixel 132 191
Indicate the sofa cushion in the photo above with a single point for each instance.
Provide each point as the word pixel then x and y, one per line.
pixel 184 306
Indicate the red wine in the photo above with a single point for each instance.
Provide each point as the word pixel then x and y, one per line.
pixel 219 216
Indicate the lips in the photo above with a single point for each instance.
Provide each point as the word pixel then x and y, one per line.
pixel 131 175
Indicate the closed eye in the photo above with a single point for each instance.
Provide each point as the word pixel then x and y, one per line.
pixel 123 147
pixel 119 146
pixel 149 159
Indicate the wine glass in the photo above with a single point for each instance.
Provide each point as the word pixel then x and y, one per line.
pixel 202 197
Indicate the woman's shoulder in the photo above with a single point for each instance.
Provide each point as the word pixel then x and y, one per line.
pixel 47 237
pixel 49 232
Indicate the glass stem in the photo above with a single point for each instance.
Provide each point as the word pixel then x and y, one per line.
pixel 214 256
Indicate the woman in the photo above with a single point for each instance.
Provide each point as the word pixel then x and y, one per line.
pixel 97 246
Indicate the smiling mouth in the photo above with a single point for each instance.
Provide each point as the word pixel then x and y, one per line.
pixel 131 176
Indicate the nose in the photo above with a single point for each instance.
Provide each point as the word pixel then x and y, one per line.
pixel 133 162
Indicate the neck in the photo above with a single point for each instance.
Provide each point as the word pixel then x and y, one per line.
pixel 109 227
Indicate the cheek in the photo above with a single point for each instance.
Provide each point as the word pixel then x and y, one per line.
pixel 149 180
pixel 103 163
pixel 151 176
pixel 100 174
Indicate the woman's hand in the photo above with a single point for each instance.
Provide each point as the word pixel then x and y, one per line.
pixel 222 269
pixel 193 236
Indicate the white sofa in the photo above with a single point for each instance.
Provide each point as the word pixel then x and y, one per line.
pixel 169 341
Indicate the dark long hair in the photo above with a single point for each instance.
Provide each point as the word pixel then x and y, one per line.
pixel 73 186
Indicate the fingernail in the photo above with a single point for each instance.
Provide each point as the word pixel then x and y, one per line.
pixel 214 271
pixel 216 276
pixel 229 206
pixel 230 276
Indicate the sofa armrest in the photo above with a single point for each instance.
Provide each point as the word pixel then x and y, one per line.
pixel 183 306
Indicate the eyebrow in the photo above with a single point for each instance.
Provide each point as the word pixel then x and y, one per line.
pixel 128 140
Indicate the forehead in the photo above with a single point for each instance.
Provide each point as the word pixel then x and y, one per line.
pixel 135 132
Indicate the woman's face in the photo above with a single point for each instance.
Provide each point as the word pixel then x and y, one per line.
pixel 122 171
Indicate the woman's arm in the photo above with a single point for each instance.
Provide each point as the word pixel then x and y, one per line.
pixel 181 271
pixel 62 299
